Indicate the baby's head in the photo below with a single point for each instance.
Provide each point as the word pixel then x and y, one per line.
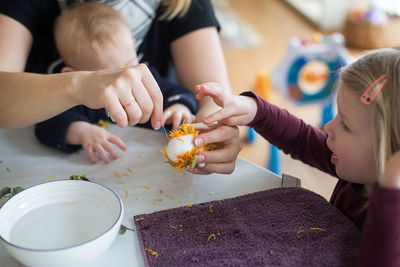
pixel 93 36
pixel 363 136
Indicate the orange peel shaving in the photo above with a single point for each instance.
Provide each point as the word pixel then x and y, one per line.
pixel 152 252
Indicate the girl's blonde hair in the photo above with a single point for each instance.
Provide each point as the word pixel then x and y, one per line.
pixel 175 8
pixel 385 120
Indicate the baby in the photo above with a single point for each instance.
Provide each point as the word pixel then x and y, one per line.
pixel 93 36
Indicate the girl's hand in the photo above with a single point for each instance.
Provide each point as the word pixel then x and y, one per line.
pixel 236 110
pixel 223 159
pixel 95 140
pixel 176 114
pixel 391 175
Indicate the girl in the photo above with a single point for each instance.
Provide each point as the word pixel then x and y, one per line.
pixel 358 146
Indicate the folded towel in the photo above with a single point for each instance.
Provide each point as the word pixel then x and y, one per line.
pixel 283 226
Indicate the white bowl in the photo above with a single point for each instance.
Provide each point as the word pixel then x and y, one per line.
pixel 60 223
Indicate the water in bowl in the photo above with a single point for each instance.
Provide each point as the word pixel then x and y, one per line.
pixel 60 225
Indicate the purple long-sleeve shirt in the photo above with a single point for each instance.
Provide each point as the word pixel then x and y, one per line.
pixel 380 221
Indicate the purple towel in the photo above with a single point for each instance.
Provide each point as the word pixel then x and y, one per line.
pixel 284 227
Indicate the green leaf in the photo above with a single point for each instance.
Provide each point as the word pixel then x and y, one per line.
pixel 5 191
pixel 16 190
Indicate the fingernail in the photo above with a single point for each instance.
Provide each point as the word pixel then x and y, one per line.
pixel 198 141
pixel 200 158
pixel 157 125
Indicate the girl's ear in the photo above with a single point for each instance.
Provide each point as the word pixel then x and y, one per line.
pixel 67 69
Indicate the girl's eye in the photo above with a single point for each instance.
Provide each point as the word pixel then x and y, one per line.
pixel 344 126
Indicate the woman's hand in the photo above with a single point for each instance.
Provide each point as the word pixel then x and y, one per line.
pixel 223 159
pixel 391 175
pixel 130 95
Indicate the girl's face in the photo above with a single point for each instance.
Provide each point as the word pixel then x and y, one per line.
pixel 351 141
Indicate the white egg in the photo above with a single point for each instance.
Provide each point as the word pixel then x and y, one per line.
pixel 177 147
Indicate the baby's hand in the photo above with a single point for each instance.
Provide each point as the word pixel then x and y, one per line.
pixel 95 140
pixel 236 109
pixel 176 114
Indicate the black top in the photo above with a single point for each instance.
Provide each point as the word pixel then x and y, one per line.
pixel 53 131
pixel 38 17
pixel 156 46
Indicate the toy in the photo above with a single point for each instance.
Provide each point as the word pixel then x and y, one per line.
pixel 308 72
pixel 262 88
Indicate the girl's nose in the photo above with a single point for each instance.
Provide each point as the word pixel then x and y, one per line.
pixel 328 129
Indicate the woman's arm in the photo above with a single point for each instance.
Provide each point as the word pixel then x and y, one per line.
pixel 27 98
pixel 198 58
pixel 15 44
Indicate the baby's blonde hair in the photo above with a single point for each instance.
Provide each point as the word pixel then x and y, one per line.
pixel 88 25
pixel 174 8
pixel 385 120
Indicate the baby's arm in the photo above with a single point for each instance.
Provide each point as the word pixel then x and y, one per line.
pixel 52 132
pixel 95 140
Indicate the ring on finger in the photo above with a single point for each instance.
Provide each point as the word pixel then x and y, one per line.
pixel 130 103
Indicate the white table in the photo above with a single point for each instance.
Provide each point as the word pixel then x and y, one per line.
pixel 151 186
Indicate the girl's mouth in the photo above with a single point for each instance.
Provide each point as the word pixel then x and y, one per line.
pixel 334 158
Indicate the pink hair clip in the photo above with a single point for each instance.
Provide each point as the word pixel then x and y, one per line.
pixel 370 94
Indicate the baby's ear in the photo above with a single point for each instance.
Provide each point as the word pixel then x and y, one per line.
pixel 67 69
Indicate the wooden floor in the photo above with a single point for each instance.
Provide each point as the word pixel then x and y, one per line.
pixel 277 23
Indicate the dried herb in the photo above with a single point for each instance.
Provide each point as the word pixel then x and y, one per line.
pixel 78 177
pixel 10 192
pixel 123 229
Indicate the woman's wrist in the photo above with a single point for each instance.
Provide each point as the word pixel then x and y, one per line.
pixel 73 83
